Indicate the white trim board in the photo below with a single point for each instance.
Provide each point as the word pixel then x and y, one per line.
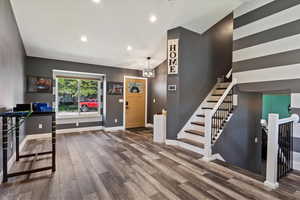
pixel 296 163
pixel 117 128
pixel 149 125
pixel 268 48
pixel 82 119
pixel 124 99
pixel 249 6
pixel 295 100
pixel 277 19
pixel 268 74
pixel 296 131
pixel 69 130
pixel 91 128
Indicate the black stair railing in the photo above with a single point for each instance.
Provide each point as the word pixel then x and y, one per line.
pixel 285 149
pixel 221 115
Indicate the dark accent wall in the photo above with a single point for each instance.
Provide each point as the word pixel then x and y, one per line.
pixel 158 91
pixel 45 67
pixel 237 143
pixel 202 59
pixel 12 57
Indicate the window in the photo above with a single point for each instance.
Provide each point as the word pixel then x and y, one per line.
pixel 79 96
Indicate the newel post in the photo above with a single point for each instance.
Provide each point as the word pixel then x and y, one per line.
pixel 272 151
pixel 208 146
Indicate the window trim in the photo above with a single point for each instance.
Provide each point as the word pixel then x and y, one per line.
pixel 80 75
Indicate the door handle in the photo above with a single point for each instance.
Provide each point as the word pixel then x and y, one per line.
pixel 126 105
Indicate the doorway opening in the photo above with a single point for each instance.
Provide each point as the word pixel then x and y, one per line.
pixel 272 103
pixel 135 102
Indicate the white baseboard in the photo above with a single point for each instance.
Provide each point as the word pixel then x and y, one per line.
pixel 216 156
pixel 149 125
pixel 63 131
pixel 117 128
pixel 91 128
pixel 171 142
pixel 13 157
pixel 273 186
pixel 185 146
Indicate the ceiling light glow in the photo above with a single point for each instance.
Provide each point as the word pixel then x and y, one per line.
pixel 96 1
pixel 153 18
pixel 83 38
pixel 129 48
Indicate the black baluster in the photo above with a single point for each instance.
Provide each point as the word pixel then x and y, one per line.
pixel 4 146
pixel 17 138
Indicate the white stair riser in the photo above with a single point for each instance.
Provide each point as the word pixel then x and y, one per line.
pixel 199 119
pixel 191 147
pixel 219 92
pixel 221 85
pixel 211 105
pixel 216 98
pixel 194 137
pixel 197 128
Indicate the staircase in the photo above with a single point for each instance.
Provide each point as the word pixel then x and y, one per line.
pixel 207 123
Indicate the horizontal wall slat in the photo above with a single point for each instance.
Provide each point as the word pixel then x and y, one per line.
pixel 278 19
pixel 286 30
pixel 264 11
pixel 268 74
pixel 249 6
pixel 269 48
pixel 274 60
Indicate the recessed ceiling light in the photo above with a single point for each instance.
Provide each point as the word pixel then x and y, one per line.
pixel 96 1
pixel 153 18
pixel 129 48
pixel 83 38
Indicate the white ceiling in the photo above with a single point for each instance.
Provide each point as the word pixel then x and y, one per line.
pixel 52 28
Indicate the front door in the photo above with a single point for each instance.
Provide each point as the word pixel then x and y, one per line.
pixel 135 96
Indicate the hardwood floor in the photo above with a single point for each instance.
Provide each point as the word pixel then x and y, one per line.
pixel 127 165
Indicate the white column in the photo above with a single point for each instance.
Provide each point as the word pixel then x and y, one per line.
pixel 159 130
pixel 272 152
pixel 207 145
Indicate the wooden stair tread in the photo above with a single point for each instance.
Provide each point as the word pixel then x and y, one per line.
pixel 198 123
pixel 203 116
pixel 214 101
pixel 200 133
pixel 191 142
pixel 219 95
pixel 209 108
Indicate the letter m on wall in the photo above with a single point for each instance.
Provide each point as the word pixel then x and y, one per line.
pixel 173 56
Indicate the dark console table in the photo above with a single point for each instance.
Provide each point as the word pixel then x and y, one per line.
pixel 18 116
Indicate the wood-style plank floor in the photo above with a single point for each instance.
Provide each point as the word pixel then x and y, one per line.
pixel 127 165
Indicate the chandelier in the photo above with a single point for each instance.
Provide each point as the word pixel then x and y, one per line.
pixel 148 72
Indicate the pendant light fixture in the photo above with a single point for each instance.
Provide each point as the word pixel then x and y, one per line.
pixel 149 73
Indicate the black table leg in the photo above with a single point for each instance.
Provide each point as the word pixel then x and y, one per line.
pixel 53 142
pixel 17 138
pixel 4 146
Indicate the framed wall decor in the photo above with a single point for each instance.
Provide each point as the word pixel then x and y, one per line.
pixel 114 88
pixel 37 84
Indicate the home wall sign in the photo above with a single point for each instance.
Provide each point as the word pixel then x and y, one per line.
pixel 173 56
